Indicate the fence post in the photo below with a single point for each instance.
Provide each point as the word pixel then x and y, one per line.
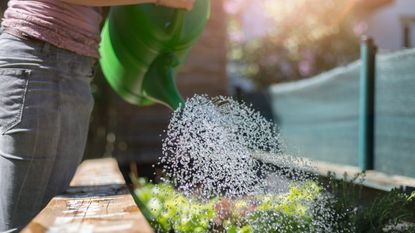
pixel 367 103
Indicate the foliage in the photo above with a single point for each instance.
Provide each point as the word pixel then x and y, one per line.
pixel 175 212
pixel 302 38
pixel 386 211
pixel 171 210
pixel 304 208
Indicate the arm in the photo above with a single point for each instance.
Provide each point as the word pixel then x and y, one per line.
pixel 186 4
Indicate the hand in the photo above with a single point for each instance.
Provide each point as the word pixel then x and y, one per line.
pixel 185 4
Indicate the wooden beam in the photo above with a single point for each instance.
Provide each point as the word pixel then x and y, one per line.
pixel 97 201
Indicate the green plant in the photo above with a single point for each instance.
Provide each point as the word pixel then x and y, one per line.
pixel 306 207
pixel 169 210
pixel 386 212
pixel 172 211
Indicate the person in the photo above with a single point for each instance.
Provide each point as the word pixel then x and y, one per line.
pixel 48 56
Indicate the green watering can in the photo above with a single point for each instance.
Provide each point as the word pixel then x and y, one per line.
pixel 142 46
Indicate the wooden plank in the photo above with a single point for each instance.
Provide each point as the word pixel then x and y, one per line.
pixel 97 201
pixel 372 178
pixel 98 172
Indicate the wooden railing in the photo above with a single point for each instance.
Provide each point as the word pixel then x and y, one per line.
pixel 97 201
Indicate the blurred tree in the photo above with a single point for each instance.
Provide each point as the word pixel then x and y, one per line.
pixel 275 41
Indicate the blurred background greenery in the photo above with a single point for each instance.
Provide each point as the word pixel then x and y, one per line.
pixel 278 41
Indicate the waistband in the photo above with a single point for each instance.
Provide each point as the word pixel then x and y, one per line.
pixel 35 52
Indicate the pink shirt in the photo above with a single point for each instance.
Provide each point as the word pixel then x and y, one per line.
pixel 68 26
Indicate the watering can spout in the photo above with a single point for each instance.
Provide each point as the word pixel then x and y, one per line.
pixel 160 85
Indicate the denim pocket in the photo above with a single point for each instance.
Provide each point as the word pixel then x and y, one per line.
pixel 13 87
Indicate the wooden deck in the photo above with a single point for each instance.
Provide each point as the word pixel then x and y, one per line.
pixel 97 201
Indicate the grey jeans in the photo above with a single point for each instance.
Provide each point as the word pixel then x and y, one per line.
pixel 45 106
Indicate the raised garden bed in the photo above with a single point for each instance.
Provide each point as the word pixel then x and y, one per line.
pixel 294 211
pixel 97 201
